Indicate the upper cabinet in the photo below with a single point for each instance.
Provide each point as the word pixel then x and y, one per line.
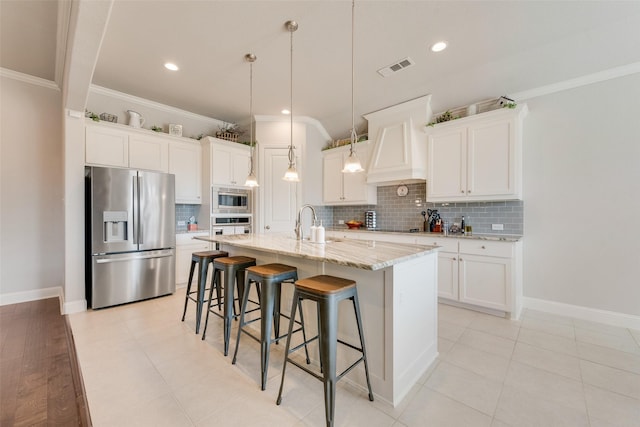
pixel 229 162
pixel 185 162
pixel 148 152
pixel 121 146
pixel 476 158
pixel 106 146
pixel 346 188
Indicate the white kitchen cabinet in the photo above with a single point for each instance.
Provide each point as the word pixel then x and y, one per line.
pixel 229 162
pixel 479 273
pixel 185 246
pixel 150 152
pixel 477 158
pixel 106 146
pixel 185 162
pixel 346 188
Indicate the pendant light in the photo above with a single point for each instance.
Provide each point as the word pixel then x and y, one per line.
pixel 291 174
pixel 251 179
pixel 352 163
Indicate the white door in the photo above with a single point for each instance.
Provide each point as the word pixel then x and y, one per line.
pixel 278 207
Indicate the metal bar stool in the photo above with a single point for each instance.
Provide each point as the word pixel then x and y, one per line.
pixel 234 273
pixel 270 278
pixel 327 292
pixel 203 259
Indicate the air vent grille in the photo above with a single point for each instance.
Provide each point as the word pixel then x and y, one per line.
pixel 395 67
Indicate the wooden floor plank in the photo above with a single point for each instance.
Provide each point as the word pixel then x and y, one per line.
pixel 40 379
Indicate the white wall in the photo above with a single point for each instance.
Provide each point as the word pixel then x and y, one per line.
pixel 31 207
pixel 582 196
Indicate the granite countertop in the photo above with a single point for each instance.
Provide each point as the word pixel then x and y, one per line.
pixel 192 231
pixel 483 236
pixel 367 255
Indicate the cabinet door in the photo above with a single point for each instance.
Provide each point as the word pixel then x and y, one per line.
pixel 485 281
pixel 106 147
pixel 355 186
pixel 183 261
pixel 185 164
pixel 491 159
pixel 240 167
pixel 220 166
pixel 332 178
pixel 148 152
pixel 448 275
pixel 447 165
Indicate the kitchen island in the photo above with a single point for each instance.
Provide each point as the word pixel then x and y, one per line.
pixel 397 288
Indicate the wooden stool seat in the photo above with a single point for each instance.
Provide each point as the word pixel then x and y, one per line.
pixel 325 284
pixel 203 259
pixel 234 260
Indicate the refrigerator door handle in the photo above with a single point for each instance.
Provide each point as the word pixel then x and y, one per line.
pixel 140 227
pixel 136 211
pixel 109 260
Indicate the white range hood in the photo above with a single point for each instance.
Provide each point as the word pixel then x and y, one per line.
pixel 400 143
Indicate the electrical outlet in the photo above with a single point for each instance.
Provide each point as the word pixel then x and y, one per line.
pixel 182 223
pixel 497 227
pixel 341 221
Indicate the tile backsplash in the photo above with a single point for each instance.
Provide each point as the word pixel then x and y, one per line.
pixel 183 213
pixel 397 213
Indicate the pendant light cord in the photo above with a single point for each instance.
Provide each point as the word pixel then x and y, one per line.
pixel 291 156
pixel 354 135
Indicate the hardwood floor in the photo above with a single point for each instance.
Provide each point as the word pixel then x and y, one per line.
pixel 40 381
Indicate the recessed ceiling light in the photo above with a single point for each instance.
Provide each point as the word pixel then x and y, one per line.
pixel 285 111
pixel 439 46
pixel 171 66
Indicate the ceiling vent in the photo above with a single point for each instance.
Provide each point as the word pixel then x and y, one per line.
pixel 396 66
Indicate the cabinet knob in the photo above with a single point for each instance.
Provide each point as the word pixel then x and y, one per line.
pixel 462 191
pixel 483 247
pixel 454 258
pixel 268 227
pixel 468 191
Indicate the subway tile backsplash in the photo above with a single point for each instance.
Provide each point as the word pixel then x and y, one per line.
pixel 183 213
pixel 396 213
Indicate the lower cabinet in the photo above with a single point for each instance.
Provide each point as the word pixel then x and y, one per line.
pixel 185 246
pixel 480 273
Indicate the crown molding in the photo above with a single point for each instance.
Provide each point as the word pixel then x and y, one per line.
pixel 589 79
pixel 298 119
pixel 152 104
pixel 27 78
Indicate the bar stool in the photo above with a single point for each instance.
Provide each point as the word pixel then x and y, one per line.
pixel 234 273
pixel 269 277
pixel 327 292
pixel 203 259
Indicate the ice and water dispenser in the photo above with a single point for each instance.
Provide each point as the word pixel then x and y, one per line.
pixel 115 225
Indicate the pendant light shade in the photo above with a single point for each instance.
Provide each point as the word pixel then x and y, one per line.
pixel 291 174
pixel 352 163
pixel 251 181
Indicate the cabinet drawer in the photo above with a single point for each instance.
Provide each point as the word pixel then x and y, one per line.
pixel 188 238
pixel 447 244
pixel 483 247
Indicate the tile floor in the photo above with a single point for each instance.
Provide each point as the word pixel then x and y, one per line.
pixel 143 367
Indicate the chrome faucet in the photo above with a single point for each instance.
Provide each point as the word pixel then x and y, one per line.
pixel 299 220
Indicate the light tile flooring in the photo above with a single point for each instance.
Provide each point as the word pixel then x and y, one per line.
pixel 143 367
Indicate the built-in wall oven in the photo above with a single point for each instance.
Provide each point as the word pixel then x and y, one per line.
pixel 230 200
pixel 230 223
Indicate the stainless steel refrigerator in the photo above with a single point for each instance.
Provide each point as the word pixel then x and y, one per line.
pixel 130 235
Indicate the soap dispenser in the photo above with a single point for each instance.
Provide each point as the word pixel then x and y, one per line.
pixel 320 233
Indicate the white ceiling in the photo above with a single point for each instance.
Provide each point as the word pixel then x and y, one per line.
pixel 495 48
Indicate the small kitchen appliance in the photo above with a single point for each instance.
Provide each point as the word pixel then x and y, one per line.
pixel 230 200
pixel 370 220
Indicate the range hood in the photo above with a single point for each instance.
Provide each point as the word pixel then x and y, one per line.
pixel 400 144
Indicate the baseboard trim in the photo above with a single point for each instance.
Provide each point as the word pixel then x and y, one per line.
pixel 585 313
pixel 31 295
pixel 74 307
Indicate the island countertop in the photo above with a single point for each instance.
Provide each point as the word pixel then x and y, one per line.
pixel 366 255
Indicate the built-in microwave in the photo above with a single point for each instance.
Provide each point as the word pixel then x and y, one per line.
pixel 230 200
